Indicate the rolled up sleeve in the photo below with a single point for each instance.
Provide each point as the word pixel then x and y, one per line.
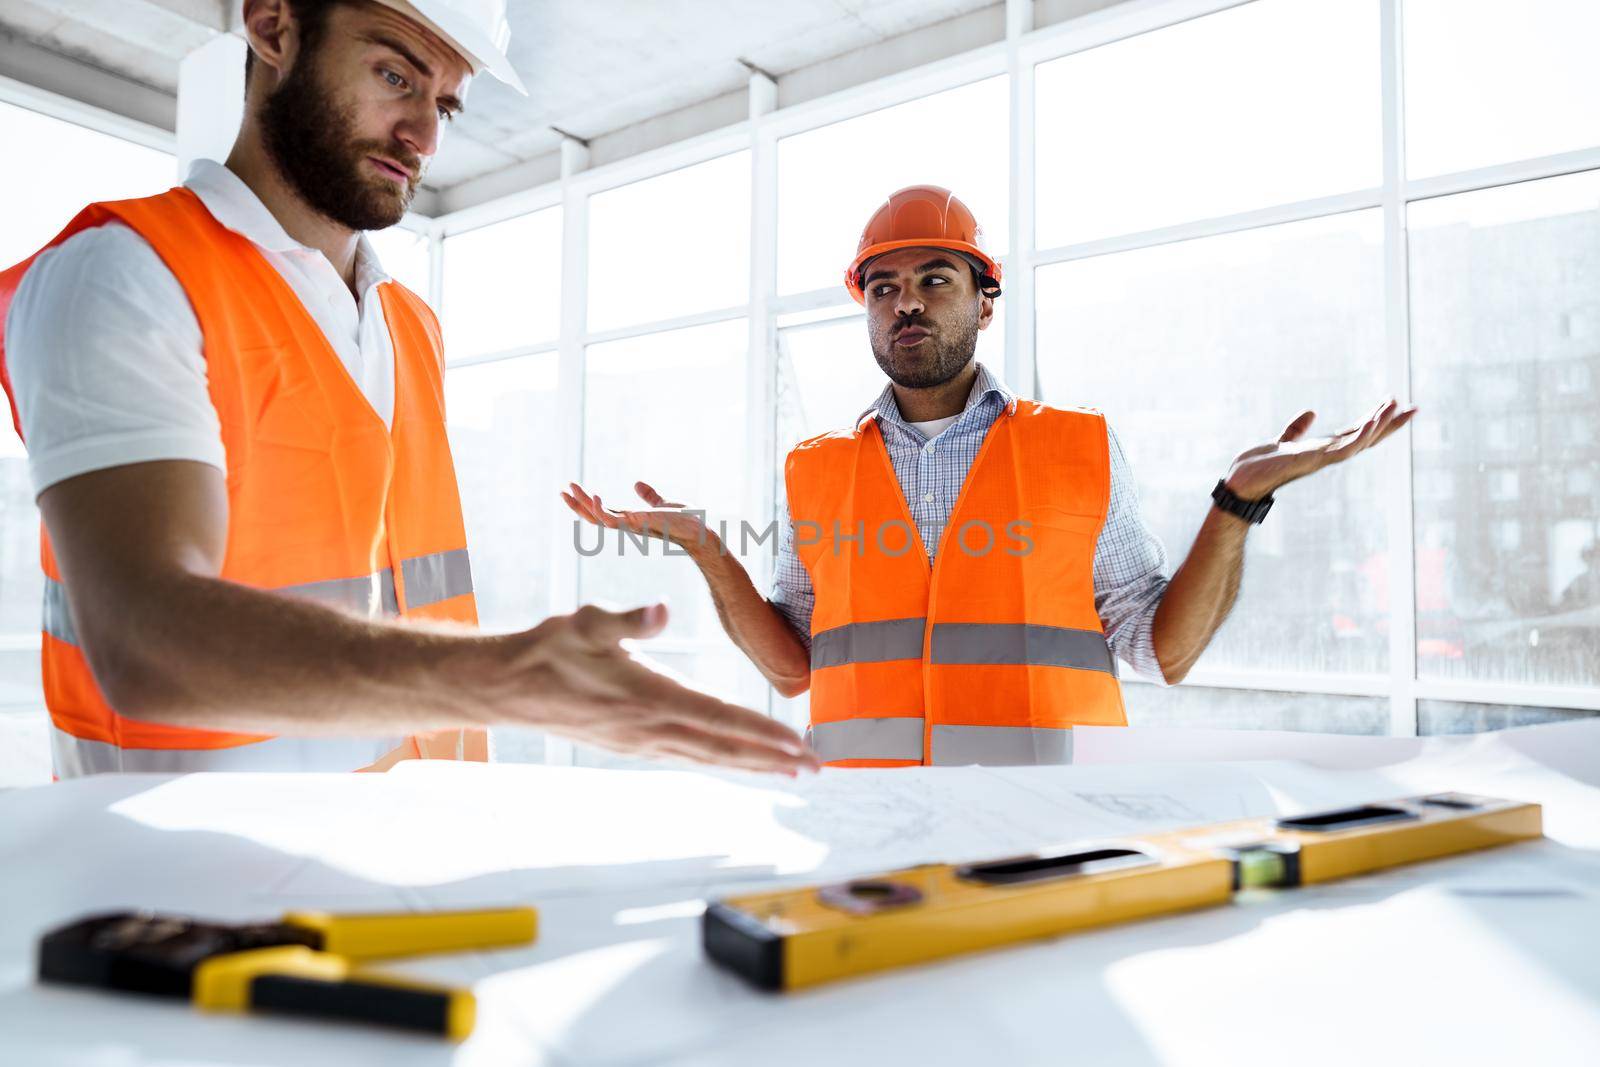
pixel 791 593
pixel 1129 573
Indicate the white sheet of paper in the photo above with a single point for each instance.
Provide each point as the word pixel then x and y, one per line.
pixel 1135 744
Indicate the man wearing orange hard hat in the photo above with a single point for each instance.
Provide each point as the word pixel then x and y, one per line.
pixel 254 552
pixel 962 568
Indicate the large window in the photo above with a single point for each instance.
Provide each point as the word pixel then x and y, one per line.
pixel 1198 343
pixel 57 168
pixel 1505 325
pixel 831 180
pixel 502 285
pixel 1489 81
pixel 667 409
pixel 664 409
pixel 403 252
pixel 504 421
pixel 671 246
pixel 1199 350
pixel 1268 103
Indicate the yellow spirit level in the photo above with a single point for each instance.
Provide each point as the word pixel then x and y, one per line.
pixel 796 938
pixel 308 964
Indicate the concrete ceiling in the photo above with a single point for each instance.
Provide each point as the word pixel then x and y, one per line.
pixel 592 67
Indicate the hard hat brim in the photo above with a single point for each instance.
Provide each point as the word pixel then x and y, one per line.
pixel 852 277
pixel 469 42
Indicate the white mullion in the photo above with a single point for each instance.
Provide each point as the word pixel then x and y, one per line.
pixel 514 205
pixel 1021 359
pixel 436 273
pixel 90 117
pixel 1567 697
pixel 812 300
pixel 504 354
pixel 1510 694
pixel 915 83
pixel 1522 170
pixel 563 562
pixel 1115 23
pixel 1322 684
pixel 1277 215
pixel 1397 482
pixel 843 315
pixel 761 390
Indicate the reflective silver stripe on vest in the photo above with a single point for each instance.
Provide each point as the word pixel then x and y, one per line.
pixel 430 579
pixel 868 642
pixel 998 746
pixel 867 739
pixel 1046 646
pixel 75 757
pixel 57 616
pixel 371 595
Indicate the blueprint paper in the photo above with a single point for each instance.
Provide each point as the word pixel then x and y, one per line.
pixel 1572 748
pixel 1136 744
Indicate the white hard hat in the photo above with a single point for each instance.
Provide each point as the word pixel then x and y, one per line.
pixel 477 29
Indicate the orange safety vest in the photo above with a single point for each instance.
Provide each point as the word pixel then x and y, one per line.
pixel 996 651
pixel 324 500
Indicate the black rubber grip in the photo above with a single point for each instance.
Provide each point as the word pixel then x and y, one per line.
pixel 424 1010
pixel 744 945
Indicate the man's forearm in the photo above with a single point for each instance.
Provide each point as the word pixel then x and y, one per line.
pixel 1200 595
pixel 760 631
pixel 200 651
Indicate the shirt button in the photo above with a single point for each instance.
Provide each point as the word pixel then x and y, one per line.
pixel 927 448
pixel 927 498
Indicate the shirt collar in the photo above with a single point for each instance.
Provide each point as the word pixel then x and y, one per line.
pixel 235 205
pixel 987 385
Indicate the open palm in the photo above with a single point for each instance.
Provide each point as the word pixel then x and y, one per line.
pixel 1259 471
pixel 666 519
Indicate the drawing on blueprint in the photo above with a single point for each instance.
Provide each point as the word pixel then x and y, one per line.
pixel 1144 807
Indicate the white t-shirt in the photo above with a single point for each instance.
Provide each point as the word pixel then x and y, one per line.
pixel 934 427
pixel 105 353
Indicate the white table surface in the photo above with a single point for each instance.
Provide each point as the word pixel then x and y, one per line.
pixel 1491 958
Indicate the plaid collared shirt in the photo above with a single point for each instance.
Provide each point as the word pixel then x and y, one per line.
pixel 1129 560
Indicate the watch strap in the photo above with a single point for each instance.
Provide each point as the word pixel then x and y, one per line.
pixel 1251 511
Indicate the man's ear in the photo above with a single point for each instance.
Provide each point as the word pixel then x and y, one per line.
pixel 272 34
pixel 985 311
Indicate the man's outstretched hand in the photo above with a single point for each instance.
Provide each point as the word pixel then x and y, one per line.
pixel 1266 468
pixel 666 519
pixel 583 682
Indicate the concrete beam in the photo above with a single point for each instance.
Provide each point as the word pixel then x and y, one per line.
pixel 952 37
pixel 72 78
pixel 516 178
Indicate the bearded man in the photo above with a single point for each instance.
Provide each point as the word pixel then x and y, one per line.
pixel 963 568
pixel 253 547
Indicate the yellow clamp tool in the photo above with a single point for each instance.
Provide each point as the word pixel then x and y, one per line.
pixel 791 939
pixel 307 964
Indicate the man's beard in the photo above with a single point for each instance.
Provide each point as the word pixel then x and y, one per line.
pixel 309 136
pixel 942 355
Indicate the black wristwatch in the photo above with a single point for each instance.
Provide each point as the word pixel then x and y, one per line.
pixel 1251 511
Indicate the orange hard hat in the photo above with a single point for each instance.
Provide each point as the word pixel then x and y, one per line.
pixel 923 216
